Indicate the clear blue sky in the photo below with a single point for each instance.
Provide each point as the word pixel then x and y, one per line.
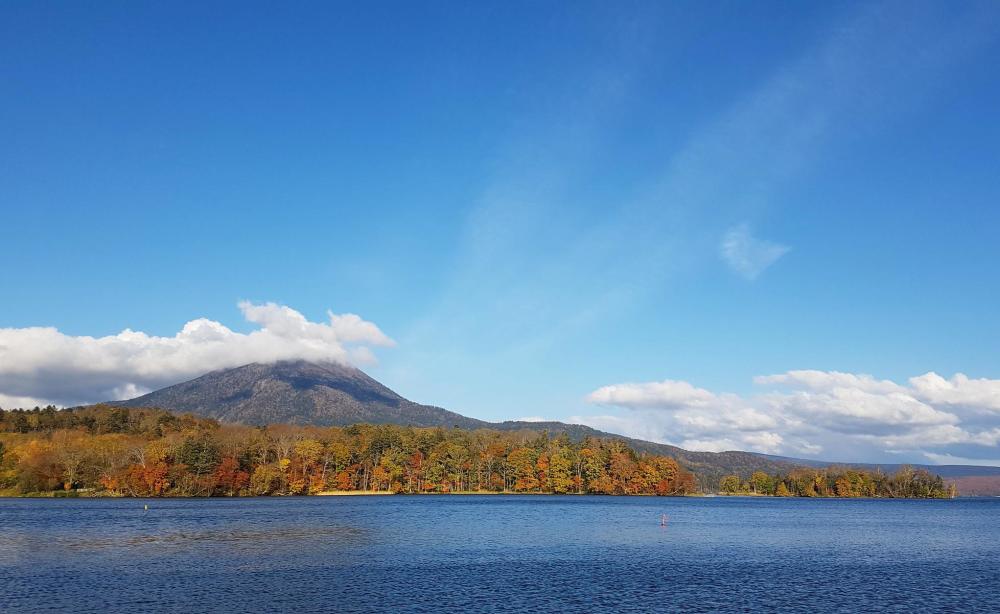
pixel 532 199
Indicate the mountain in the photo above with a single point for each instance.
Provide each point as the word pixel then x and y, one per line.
pixel 297 392
pixel 330 394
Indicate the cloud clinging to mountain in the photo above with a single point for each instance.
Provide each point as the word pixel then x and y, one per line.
pixel 40 365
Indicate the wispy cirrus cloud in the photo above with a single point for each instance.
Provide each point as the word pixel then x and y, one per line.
pixel 748 255
pixel 41 365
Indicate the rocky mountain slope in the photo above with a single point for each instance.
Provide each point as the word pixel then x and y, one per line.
pixel 297 392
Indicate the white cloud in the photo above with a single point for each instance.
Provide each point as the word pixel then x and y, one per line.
pixel 948 459
pixel 940 435
pixel 12 402
pixel 722 444
pixel 960 390
pixel 849 409
pixel 668 393
pixel 808 412
pixel 765 441
pixel 748 255
pixel 824 380
pixel 42 364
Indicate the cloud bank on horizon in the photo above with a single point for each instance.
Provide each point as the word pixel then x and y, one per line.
pixel 41 365
pixel 838 416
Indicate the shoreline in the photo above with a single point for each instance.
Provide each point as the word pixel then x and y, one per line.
pixel 383 493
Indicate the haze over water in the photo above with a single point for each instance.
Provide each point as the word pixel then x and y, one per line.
pixel 498 553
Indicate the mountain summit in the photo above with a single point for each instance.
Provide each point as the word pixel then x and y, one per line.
pixel 297 392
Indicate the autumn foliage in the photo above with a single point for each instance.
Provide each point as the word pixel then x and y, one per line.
pixel 844 482
pixel 151 453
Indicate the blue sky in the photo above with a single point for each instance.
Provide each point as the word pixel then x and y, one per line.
pixel 533 201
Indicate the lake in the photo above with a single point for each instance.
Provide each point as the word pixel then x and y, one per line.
pixel 498 553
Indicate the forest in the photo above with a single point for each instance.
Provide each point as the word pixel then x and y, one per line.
pixel 907 483
pixel 105 450
pixel 115 451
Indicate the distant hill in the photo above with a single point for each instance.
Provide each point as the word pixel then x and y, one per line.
pixel 945 471
pixel 977 485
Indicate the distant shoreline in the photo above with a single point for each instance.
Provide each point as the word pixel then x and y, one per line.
pixel 330 493
pixel 383 493
pixel 362 493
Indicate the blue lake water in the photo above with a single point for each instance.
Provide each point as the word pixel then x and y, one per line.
pixel 493 554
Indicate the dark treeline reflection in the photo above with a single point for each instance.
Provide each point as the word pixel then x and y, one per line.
pixel 148 452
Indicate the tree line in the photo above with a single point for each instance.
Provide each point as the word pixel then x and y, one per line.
pixel 118 451
pixel 907 482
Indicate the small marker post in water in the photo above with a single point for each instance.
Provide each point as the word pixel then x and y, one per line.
pixel 663 520
pixel 145 507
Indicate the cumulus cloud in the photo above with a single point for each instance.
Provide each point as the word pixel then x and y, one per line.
pixel 748 255
pixel 40 365
pixel 960 390
pixel 668 393
pixel 825 380
pixel 810 412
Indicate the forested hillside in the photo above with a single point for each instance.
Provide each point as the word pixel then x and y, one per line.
pixel 147 452
pixel 119 451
